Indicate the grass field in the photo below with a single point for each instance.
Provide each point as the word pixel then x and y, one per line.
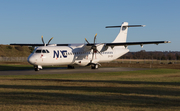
pixel 157 89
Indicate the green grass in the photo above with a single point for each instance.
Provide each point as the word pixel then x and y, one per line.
pixel 15 67
pixel 14 51
pixel 157 89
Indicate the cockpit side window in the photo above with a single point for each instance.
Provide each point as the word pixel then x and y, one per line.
pixel 43 51
pixel 47 51
pixel 38 51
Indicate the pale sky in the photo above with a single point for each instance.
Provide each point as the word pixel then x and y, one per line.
pixel 70 21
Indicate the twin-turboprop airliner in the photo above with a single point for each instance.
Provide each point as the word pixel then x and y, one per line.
pixel 90 54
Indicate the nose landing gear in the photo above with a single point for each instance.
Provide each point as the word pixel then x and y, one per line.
pixel 37 68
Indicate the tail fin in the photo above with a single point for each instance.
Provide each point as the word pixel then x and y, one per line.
pixel 121 37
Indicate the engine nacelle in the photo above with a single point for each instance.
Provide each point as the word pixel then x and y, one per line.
pixel 82 63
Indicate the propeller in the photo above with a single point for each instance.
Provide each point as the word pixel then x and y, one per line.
pixel 93 47
pixel 87 41
pixel 48 41
pixel 42 39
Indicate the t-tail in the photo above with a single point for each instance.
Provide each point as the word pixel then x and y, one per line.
pixel 122 36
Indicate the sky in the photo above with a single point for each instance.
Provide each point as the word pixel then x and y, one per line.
pixel 71 21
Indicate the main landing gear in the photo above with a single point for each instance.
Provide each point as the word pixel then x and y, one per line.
pixel 70 67
pixel 94 66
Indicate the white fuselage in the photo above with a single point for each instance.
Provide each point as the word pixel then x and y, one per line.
pixel 69 55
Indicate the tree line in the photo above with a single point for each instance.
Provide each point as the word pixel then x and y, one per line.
pixel 159 55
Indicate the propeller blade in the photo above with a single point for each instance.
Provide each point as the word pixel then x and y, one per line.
pixel 86 40
pixel 49 41
pixel 42 39
pixel 94 48
pixel 95 38
pixel 97 49
pixel 99 52
pixel 92 56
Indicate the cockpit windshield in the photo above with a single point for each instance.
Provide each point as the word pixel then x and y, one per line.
pixel 41 51
pixel 38 51
pixel 47 51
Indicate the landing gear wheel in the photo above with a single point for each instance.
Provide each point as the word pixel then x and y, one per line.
pixel 70 67
pixel 94 66
pixel 36 68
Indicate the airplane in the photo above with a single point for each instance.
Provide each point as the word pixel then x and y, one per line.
pixel 90 54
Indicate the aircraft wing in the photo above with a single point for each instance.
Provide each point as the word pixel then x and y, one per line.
pixel 106 44
pixel 29 44
pixel 40 44
pixel 132 43
pixel 135 43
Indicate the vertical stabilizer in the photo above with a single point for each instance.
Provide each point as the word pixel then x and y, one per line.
pixel 121 37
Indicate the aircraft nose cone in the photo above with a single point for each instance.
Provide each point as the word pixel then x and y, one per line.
pixel 31 60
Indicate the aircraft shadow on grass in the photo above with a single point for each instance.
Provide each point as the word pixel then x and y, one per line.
pixel 117 96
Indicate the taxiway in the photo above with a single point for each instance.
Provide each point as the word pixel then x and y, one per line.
pixel 68 71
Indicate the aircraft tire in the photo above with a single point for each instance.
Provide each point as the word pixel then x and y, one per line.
pixel 94 66
pixel 70 67
pixel 36 68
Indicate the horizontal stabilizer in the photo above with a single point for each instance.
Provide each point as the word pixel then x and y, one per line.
pixel 126 26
